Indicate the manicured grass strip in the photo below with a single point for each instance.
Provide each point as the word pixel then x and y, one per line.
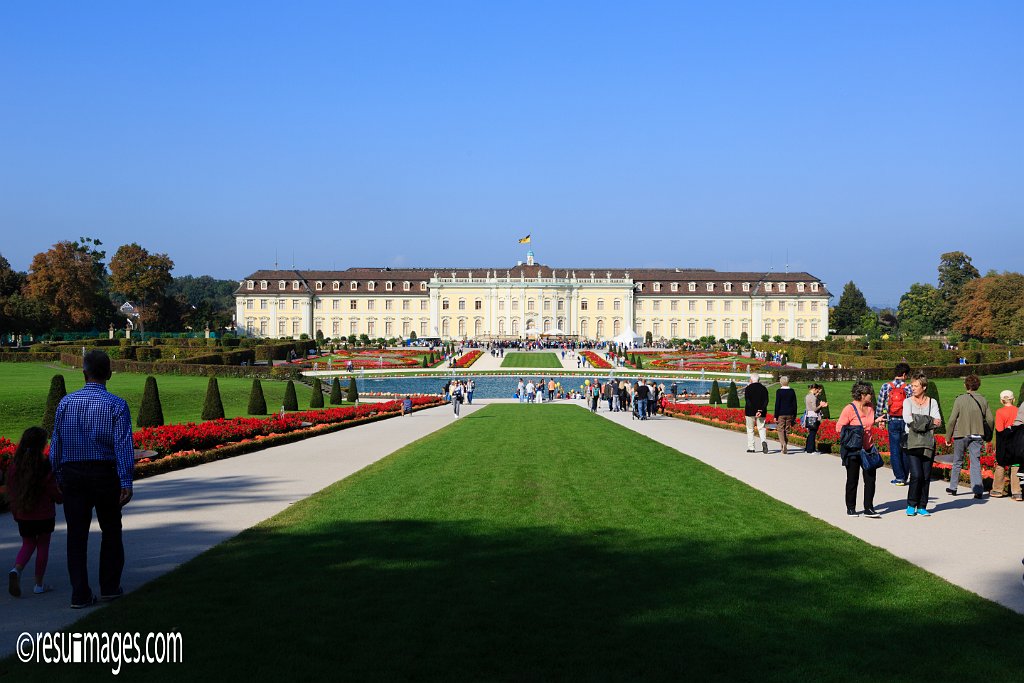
pixel 23 388
pixel 584 551
pixel 531 360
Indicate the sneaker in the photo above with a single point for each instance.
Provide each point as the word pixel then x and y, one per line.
pixel 870 512
pixel 88 603
pixel 39 590
pixel 911 511
pixel 14 583
pixel 112 596
pixel 750 450
pixel 899 482
pixel 764 447
pixel 921 512
pixel 895 482
pixel 951 492
pixel 851 512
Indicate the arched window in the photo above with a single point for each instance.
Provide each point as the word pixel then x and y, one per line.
pixel 600 328
pixel 616 327
pixel 445 327
pixel 584 328
pixel 478 328
pixel 501 326
pixel 515 327
pixel 462 327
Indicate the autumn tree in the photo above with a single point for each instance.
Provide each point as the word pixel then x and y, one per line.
pixel 141 277
pixel 955 271
pixel 68 280
pixel 991 308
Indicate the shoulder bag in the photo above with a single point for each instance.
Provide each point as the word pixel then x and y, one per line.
pixel 987 428
pixel 869 460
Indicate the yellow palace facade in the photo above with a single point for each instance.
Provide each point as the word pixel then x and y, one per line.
pixel 529 300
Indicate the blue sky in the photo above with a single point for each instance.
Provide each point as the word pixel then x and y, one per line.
pixel 864 139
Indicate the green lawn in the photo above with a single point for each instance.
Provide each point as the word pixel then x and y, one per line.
pixel 586 552
pixel 839 392
pixel 541 359
pixel 23 389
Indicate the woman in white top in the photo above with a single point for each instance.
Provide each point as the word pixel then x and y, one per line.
pixel 920 458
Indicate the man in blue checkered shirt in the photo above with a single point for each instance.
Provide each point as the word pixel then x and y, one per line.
pixel 92 455
pixel 895 424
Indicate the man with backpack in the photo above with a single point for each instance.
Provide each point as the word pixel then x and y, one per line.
pixel 970 424
pixel 890 404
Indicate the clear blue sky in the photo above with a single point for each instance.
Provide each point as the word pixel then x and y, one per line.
pixel 865 138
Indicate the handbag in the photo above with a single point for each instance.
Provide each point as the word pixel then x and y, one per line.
pixel 987 428
pixel 870 460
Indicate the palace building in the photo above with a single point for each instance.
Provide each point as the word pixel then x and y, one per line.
pixel 528 300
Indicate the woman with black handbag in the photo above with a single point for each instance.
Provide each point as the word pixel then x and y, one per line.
pixel 855 439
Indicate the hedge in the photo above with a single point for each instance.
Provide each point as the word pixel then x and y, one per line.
pixel 47 357
pixel 885 373
pixel 166 367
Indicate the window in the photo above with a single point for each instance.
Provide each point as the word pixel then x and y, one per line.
pixel 691 330
pixel 406 328
pixel 709 328
pixel 295 328
pixel 423 304
pixel 295 285
pixel 745 306
pixel 584 328
pixel 263 327
pixel 389 327
pixel 371 285
pixel 727 306
pixel 600 328
pixel 547 304
pixel 248 284
pixel 675 305
pixel 263 304
pixel 336 286
pixel 692 286
pixel 767 305
pixel 600 304
pixel 319 286
pixel 657 305
pixel 478 327
pixel 406 304
pixel 709 305
pixel 727 286
pixel 711 286
pixel 800 305
pixel 336 304
pixel 388 286
pixel 746 286
pixel 640 287
pixel 354 286
pixel 317 305
pixel 248 304
pixel 727 329
pixel 515 305
pixel 675 286
pixel 405 286
pixel 583 304
pixel 657 328
pixel 814 306
pixel 335 328
pixel 560 305
pixel 371 327
pixel 745 327
pixel 800 287
pixel 423 328
pixel 371 304
pixel 282 285
pixel 657 286
pixel 814 286
pixel 691 305
pixel 353 327
pixel 782 328
pixel 423 286
pixel 353 304
pixel 617 305
pixel 782 286
pixel 768 327
pixel 800 329
pixel 263 284
pixel 389 304
pixel 446 326
pixel 478 304
pixel 445 305
pixel 295 304
pixel 767 286
pixel 501 304
pixel 501 326
pixel 814 329
pixel 674 330
pixel 281 328
pixel 462 327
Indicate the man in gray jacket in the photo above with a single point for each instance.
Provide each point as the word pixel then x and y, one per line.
pixel 967 427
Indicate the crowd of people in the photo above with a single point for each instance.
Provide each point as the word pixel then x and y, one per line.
pixel 910 418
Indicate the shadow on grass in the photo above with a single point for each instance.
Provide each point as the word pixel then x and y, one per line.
pixel 467 600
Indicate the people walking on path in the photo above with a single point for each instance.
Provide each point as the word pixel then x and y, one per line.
pixel 92 454
pixel 859 415
pixel 608 391
pixel 457 397
pixel 32 493
pixel 890 406
pixel 640 394
pixel 470 388
pixel 921 416
pixel 785 412
pixel 531 391
pixel 521 391
pixel 968 422
pixel 755 411
pixel 1007 456
pixel 812 417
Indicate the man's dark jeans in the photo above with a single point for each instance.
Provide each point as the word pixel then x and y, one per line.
pixel 89 485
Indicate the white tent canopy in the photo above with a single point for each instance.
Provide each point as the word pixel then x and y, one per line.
pixel 628 337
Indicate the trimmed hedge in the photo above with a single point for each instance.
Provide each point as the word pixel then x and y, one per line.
pixel 213 406
pixel 885 373
pixel 166 367
pixel 151 413
pixel 58 390
pixel 47 357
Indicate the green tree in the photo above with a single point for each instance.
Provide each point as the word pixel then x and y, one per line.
pixel 955 271
pixel 291 401
pixel 213 407
pixel 317 399
pixel 716 394
pixel 151 414
pixel 733 399
pixel 336 392
pixel 918 312
pixel 257 401
pixel 933 391
pixel 58 390
pixel 848 313
pixel 639 363
pixel 426 362
pixel 1020 395
pixel 744 338
pixel 352 395
pixel 869 326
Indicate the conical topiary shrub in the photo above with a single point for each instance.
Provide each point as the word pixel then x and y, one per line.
pixel 639 363
pixel 317 399
pixel 824 412
pixel 426 363
pixel 1020 395
pixel 716 394
pixel 151 414
pixel 213 407
pixel 58 390
pixel 733 398
pixel 336 392
pixel 257 401
pixel 352 395
pixel 933 391
pixel 291 401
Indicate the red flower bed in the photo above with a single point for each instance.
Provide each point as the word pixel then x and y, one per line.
pixel 468 359
pixel 7 448
pixel 595 360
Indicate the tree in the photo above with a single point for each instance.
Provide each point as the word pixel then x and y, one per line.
pixel 352 395
pixel 151 414
pixel 649 338
pixel 336 392
pixel 412 335
pixel 869 326
pixel 639 363
pixel 142 277
pixel 1020 395
pixel 715 398
pixel 257 401
pixel 213 407
pixel 918 312
pixel 744 338
pixel 68 279
pixel 991 307
pixel 733 399
pixel 58 390
pixel 847 315
pixel 317 399
pixel 933 392
pixel 426 364
pixel 955 271
pixel 291 401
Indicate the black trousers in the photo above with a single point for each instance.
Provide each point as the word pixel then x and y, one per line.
pixel 920 477
pixel 812 435
pixel 853 470
pixel 89 485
